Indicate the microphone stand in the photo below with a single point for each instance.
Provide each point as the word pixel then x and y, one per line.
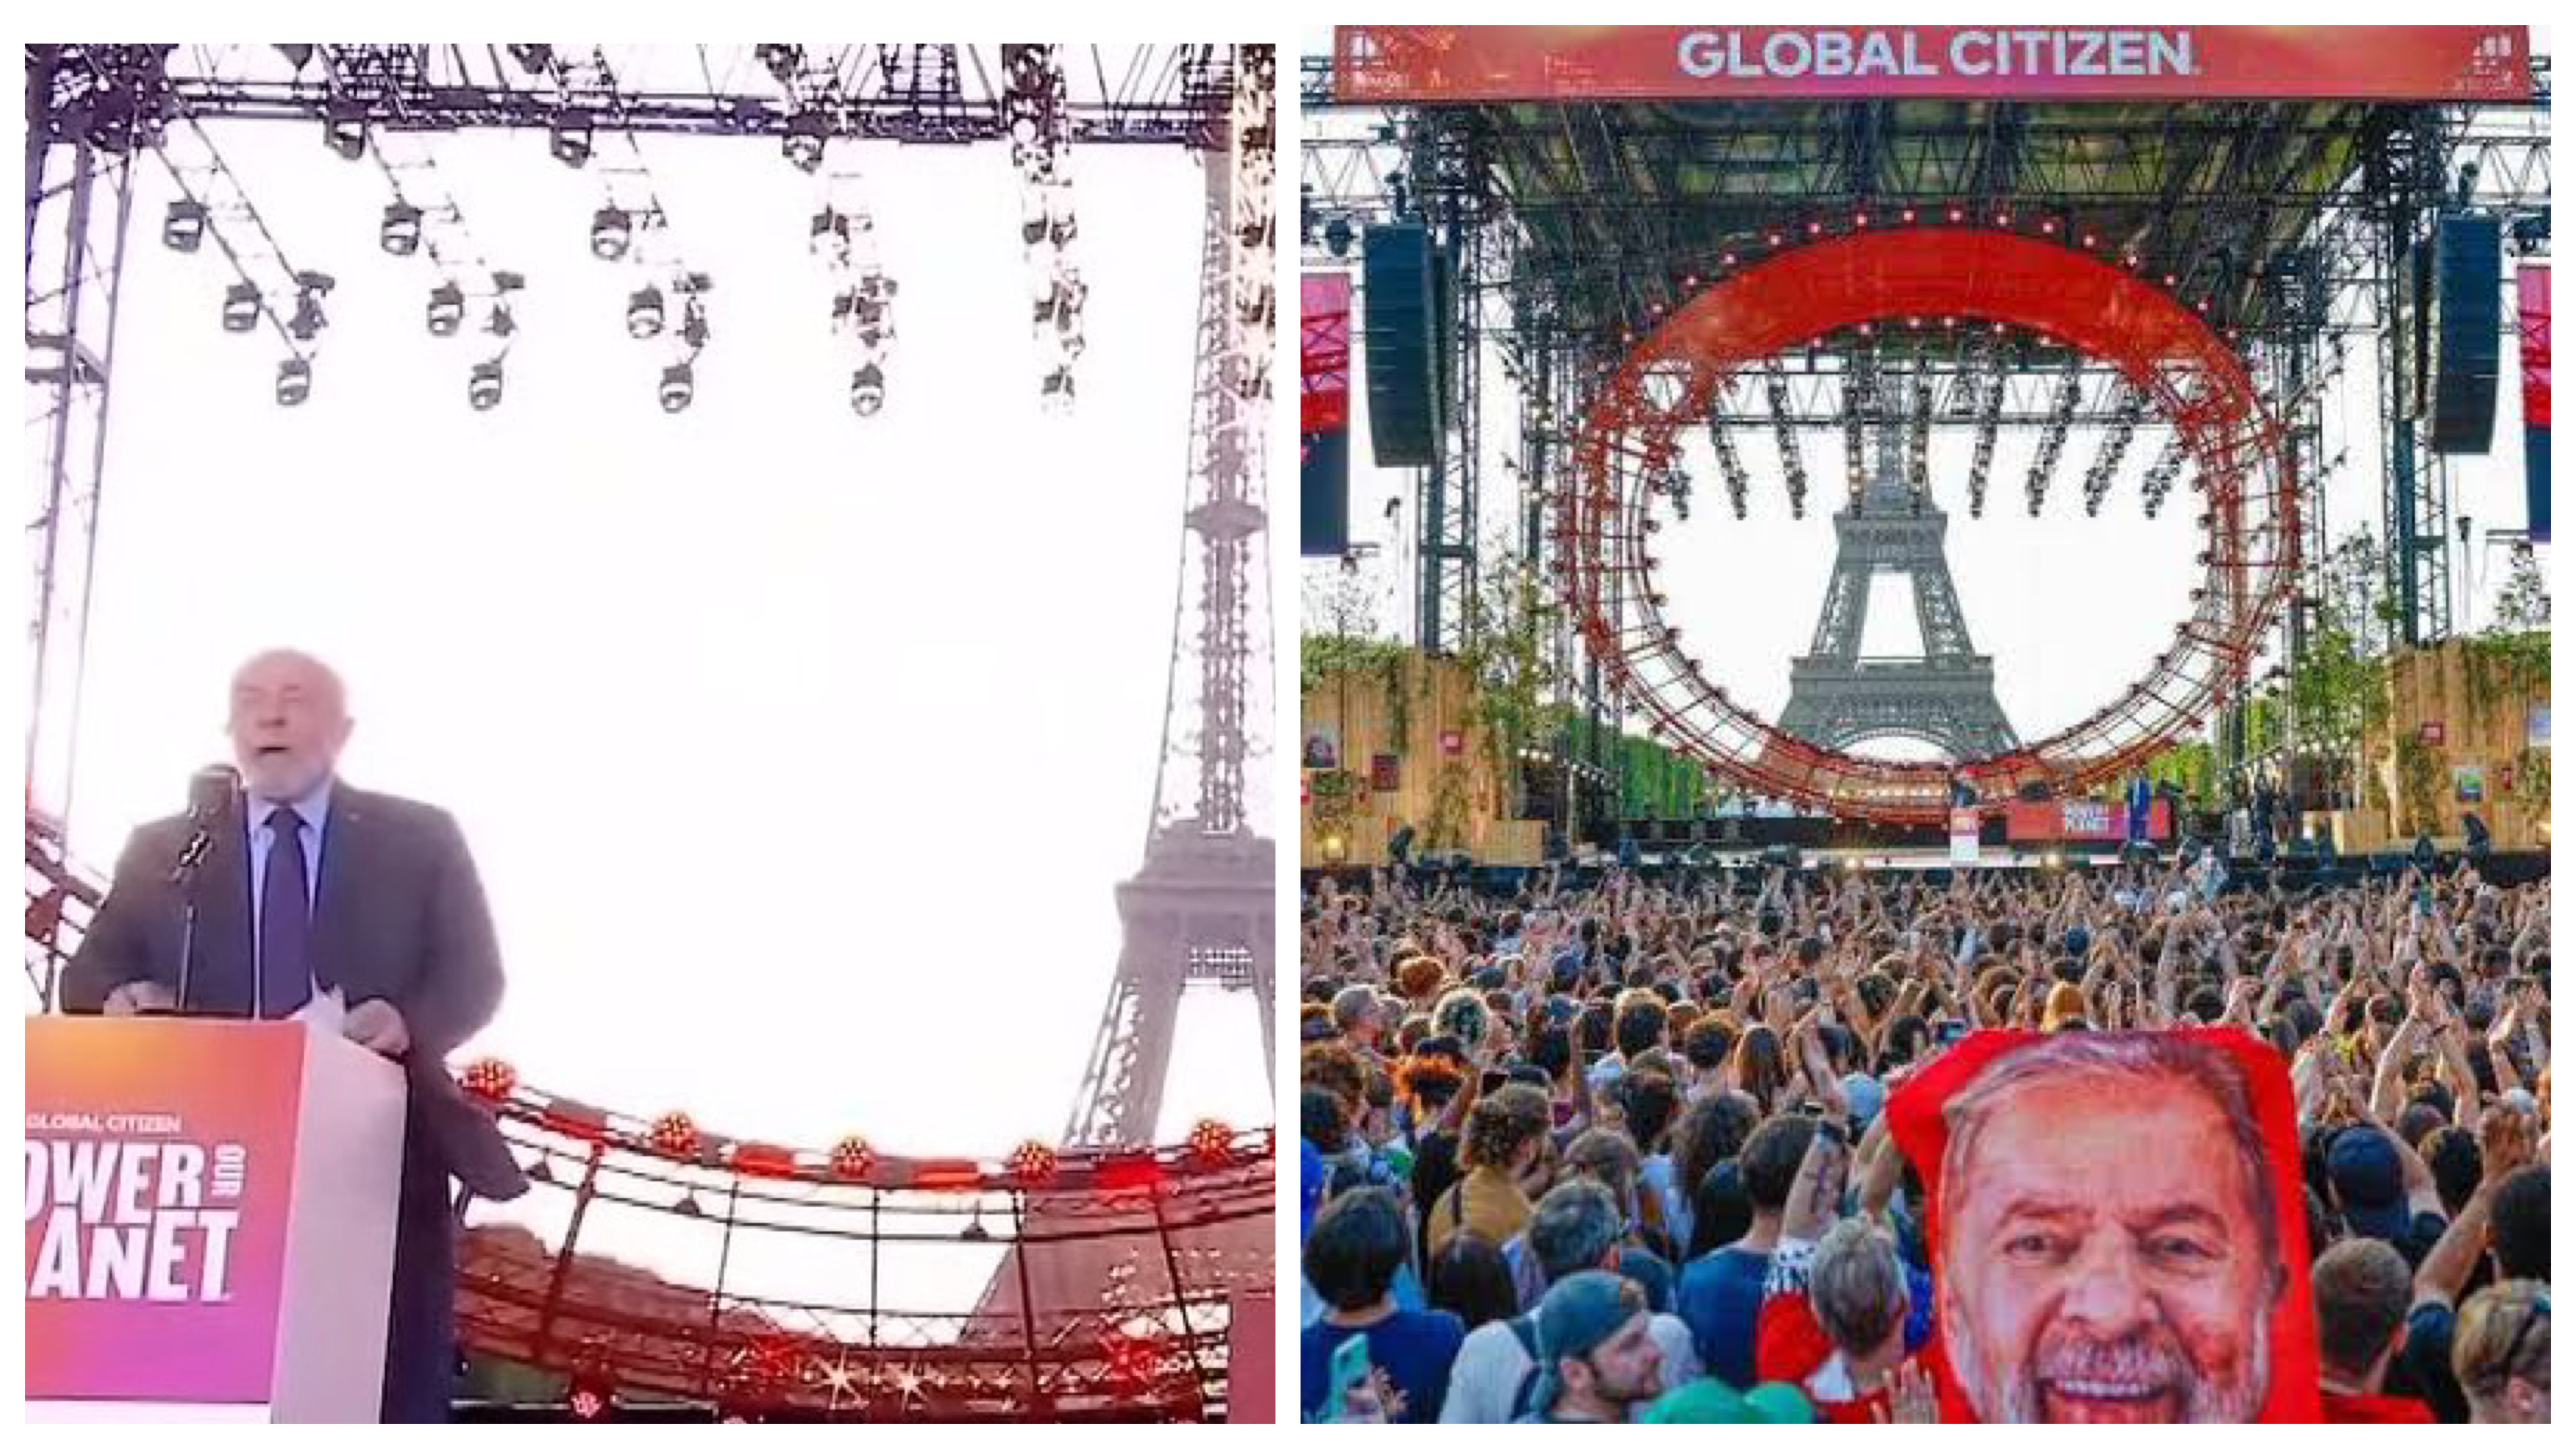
pixel 184 875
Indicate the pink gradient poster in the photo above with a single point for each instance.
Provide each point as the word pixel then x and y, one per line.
pixel 159 1165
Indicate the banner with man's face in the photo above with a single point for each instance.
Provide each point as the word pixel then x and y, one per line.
pixel 2116 1228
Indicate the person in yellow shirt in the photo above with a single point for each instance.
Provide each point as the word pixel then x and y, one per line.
pixel 1506 1156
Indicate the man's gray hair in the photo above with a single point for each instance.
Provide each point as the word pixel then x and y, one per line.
pixel 1351 1004
pixel 1574 1227
pixel 2146 1060
pixel 1856 1286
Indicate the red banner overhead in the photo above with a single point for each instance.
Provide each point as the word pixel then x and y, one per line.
pixel 1471 63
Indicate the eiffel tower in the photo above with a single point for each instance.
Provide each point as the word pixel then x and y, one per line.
pixel 1944 696
pixel 1198 912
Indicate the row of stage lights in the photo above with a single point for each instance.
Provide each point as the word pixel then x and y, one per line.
pixel 841 238
pixel 676 1135
pixel 1979 398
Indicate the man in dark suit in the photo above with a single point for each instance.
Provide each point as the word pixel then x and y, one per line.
pixel 351 911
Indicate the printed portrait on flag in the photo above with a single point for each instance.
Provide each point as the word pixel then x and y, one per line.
pixel 2115 1228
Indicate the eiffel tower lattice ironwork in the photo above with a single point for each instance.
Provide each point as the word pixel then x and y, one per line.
pixel 1198 913
pixel 1945 696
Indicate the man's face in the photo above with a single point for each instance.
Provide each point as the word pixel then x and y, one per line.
pixel 287 724
pixel 1627 1368
pixel 2104 1265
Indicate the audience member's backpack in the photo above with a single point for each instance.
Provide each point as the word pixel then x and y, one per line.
pixel 1525 1393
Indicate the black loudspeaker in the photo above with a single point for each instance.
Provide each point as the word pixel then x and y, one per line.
pixel 1324 493
pixel 2466 332
pixel 1399 295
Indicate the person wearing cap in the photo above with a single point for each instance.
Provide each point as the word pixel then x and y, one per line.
pixel 2383 1190
pixel 1359 1017
pixel 1577 1228
pixel 1597 1353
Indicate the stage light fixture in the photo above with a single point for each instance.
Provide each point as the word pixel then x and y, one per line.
pixel 184 228
pixel 297 56
pixel 644 314
pixel 612 231
pixel 570 142
pixel 483 386
pixel 446 309
pixel 803 143
pixel 241 307
pixel 309 319
pixel 400 233
pixel 294 382
pixel 1338 236
pixel 867 390
pixel 679 387
pixel 501 323
pixel 781 61
pixel 344 130
pixel 693 325
pixel 828 237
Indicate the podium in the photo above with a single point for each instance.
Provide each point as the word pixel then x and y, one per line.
pixel 210 1221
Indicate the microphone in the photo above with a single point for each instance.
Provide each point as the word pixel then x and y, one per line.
pixel 211 794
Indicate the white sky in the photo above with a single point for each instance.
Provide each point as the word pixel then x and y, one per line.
pixel 799 752
pixel 2071 608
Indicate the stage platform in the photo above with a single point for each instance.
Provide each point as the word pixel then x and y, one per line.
pixel 1744 868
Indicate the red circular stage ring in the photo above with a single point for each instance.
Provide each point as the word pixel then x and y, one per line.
pixel 1671 376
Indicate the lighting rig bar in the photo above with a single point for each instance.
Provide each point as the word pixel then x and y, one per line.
pixel 2115 446
pixel 1989 414
pixel 942 94
pixel 1730 464
pixel 267 291
pixel 1784 431
pixel 2052 439
pixel 1861 411
pixel 1034 101
pixel 424 218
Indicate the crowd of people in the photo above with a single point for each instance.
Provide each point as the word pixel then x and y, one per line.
pixel 1606 1147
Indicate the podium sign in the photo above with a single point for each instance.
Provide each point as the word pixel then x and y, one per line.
pixel 210 1210
pixel 1963 837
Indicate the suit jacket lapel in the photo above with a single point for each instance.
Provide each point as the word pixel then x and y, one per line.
pixel 345 842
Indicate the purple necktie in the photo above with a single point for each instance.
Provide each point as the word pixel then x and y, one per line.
pixel 285 920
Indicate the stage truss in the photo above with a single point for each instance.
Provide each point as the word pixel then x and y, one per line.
pixel 1576 227
pixel 1916 272
pixel 1164 1242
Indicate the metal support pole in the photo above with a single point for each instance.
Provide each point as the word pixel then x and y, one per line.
pixel 565 1256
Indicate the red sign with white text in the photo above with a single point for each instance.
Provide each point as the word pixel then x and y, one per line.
pixel 1473 63
pixel 2080 820
pixel 157 1194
